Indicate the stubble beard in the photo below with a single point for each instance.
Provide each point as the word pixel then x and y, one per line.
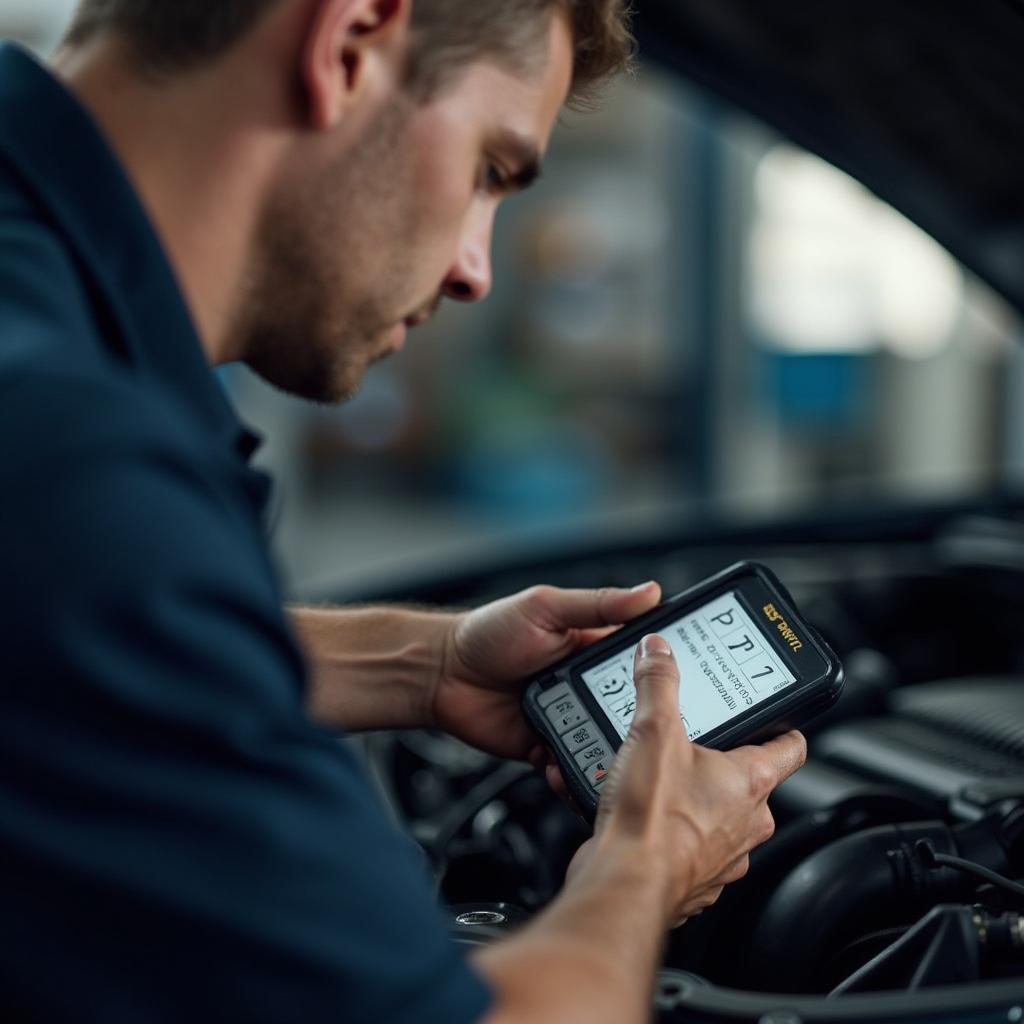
pixel 330 268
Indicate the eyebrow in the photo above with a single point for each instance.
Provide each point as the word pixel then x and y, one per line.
pixel 525 154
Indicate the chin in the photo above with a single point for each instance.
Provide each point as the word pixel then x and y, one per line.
pixel 323 383
pixel 339 390
pixel 328 371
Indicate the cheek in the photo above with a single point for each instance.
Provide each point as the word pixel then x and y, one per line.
pixel 445 182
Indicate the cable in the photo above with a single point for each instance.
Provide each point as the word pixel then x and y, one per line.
pixel 487 789
pixel 931 858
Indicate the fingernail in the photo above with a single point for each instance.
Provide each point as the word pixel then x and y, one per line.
pixel 654 646
pixel 642 586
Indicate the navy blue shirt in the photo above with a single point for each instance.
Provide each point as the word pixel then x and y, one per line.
pixel 178 841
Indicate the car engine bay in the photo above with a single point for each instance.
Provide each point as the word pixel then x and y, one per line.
pixel 891 887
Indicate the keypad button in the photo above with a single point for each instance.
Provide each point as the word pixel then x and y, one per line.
pixel 547 697
pixel 581 737
pixel 597 773
pixel 594 754
pixel 565 714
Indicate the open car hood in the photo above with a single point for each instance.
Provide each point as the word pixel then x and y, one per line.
pixel 921 100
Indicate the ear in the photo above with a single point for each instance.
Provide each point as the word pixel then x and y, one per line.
pixel 349 44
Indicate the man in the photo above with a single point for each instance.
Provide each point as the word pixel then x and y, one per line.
pixel 294 184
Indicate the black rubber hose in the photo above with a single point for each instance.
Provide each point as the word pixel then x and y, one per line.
pixel 709 943
pixel 864 882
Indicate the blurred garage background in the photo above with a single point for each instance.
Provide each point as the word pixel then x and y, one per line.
pixel 692 318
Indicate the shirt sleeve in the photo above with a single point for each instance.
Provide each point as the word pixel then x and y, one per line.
pixel 179 841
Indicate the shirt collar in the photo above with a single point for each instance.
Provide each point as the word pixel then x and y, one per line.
pixel 60 157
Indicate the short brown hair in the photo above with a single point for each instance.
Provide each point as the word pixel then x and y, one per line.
pixel 175 35
pixel 450 34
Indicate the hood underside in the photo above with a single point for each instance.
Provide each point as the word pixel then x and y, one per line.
pixel 920 100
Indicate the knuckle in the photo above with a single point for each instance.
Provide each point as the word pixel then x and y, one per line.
pixel 740 870
pixel 794 754
pixel 539 604
pixel 761 779
pixel 801 741
pixel 711 898
pixel 653 729
pixel 767 828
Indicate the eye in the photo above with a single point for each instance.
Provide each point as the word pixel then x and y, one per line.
pixel 495 180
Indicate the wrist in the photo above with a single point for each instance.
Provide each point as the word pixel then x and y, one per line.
pixel 592 954
pixel 637 868
pixel 452 667
pixel 444 666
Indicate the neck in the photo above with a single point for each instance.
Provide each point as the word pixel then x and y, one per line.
pixel 200 166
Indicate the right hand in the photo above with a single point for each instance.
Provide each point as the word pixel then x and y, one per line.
pixel 685 816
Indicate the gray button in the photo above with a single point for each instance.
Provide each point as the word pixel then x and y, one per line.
pixel 594 754
pixel 581 737
pixel 546 697
pixel 597 773
pixel 565 714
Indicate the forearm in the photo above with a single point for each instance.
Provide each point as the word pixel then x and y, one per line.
pixel 591 957
pixel 372 668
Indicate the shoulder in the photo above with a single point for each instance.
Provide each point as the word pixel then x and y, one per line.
pixel 43 297
pixel 66 414
pixel 117 521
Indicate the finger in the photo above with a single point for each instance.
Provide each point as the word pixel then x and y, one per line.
pixel 537 757
pixel 787 753
pixel 734 872
pixel 656 677
pixel 766 826
pixel 586 637
pixel 588 609
pixel 698 905
pixel 639 768
pixel 544 763
pixel 710 897
pixel 683 918
pixel 557 783
pixel 771 763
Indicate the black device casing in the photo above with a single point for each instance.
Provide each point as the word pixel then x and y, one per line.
pixel 819 675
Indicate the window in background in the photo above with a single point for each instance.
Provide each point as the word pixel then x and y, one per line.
pixel 880 363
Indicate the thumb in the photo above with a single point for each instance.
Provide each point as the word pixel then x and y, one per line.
pixel 637 768
pixel 589 609
pixel 656 678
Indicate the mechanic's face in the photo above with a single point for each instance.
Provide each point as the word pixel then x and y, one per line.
pixel 353 258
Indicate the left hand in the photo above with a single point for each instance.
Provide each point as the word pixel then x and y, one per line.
pixel 491 652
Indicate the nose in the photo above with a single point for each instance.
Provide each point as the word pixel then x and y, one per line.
pixel 470 277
